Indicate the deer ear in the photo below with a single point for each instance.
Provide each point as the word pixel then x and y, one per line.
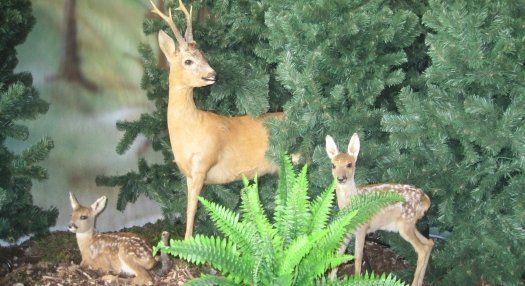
pixel 353 146
pixel 331 147
pixel 166 44
pixel 74 203
pixel 99 205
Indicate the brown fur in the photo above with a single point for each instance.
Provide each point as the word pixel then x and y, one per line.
pixel 208 148
pixel 399 217
pixel 119 252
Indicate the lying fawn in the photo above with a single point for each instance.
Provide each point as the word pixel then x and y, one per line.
pixel 208 148
pixel 400 217
pixel 119 252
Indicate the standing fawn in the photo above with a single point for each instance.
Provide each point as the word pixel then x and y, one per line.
pixel 400 217
pixel 208 148
pixel 119 252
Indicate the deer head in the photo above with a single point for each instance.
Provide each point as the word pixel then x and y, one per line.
pixel 83 218
pixel 343 164
pixel 188 66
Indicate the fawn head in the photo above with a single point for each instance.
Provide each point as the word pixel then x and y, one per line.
pixel 83 218
pixel 188 66
pixel 343 164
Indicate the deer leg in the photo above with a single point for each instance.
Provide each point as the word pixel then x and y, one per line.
pixel 195 184
pixel 360 236
pixel 429 243
pixel 142 276
pixel 422 246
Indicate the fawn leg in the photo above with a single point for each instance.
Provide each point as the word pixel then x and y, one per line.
pixel 142 276
pixel 422 246
pixel 358 251
pixel 429 245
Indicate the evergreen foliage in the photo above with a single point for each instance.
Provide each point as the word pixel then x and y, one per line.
pixel 229 40
pixel 343 62
pixel 296 249
pixel 461 137
pixel 435 88
pixel 19 101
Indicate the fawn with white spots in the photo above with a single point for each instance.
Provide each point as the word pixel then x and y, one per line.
pixel 399 217
pixel 119 252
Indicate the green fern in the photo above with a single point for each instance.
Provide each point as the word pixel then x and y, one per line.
pixel 296 249
pixel 365 280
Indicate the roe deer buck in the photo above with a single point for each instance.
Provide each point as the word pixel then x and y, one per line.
pixel 400 217
pixel 119 252
pixel 208 148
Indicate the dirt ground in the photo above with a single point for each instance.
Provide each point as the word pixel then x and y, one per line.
pixel 54 260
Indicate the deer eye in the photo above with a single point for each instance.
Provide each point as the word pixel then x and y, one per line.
pixel 333 166
pixel 188 62
pixel 83 217
pixel 349 165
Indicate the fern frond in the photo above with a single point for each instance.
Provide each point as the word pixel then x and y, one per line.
pixel 368 205
pixel 220 253
pixel 336 231
pixel 360 210
pixel 318 267
pixel 364 280
pixel 296 213
pixel 321 208
pixel 207 280
pixel 253 211
pixel 268 239
pixel 328 241
pixel 294 254
pixel 242 234
pixel 286 181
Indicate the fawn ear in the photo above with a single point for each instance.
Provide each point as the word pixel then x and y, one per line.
pixel 167 45
pixel 99 205
pixel 74 203
pixel 331 147
pixel 353 146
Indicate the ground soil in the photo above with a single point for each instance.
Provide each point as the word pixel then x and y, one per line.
pixel 54 260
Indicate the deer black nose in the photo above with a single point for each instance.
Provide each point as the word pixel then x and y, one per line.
pixel 341 179
pixel 71 226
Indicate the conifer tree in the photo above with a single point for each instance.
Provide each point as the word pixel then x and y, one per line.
pixel 461 138
pixel 19 101
pixel 343 62
pixel 230 33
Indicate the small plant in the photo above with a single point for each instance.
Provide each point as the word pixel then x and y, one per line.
pixel 296 249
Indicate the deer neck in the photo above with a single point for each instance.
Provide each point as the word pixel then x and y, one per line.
pixel 345 191
pixel 84 241
pixel 181 102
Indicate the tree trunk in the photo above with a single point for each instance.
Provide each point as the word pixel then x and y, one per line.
pixel 70 64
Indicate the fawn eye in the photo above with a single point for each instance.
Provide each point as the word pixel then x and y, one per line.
pixel 333 166
pixel 83 217
pixel 188 62
pixel 349 165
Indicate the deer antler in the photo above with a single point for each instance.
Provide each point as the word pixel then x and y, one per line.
pixel 189 31
pixel 170 22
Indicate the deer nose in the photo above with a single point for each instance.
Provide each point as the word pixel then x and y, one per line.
pixel 341 179
pixel 212 75
pixel 71 226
